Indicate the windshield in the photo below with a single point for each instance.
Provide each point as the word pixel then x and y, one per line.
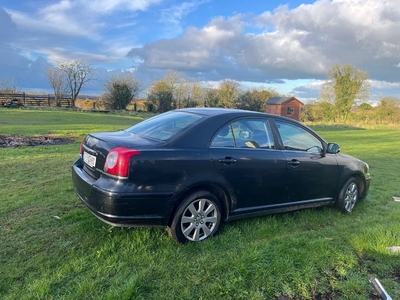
pixel 163 127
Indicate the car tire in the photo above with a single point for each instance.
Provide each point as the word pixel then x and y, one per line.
pixel 348 196
pixel 197 218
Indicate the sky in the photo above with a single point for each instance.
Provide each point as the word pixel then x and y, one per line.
pixel 285 45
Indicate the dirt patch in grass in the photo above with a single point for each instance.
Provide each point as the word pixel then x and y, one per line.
pixel 13 141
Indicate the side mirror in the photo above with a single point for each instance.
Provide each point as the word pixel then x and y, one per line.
pixel 333 148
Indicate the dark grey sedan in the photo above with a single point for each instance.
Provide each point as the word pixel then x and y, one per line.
pixel 191 169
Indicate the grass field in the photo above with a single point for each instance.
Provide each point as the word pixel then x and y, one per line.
pixel 52 247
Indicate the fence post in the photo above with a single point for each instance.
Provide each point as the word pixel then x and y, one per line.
pixel 48 99
pixel 23 95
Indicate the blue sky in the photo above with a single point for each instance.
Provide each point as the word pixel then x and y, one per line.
pixel 285 45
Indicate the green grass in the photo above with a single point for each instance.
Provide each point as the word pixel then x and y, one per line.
pixel 52 247
pixel 63 123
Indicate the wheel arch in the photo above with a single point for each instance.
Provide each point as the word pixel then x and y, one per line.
pixel 361 185
pixel 361 182
pixel 217 191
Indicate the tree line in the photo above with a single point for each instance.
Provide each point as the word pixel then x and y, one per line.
pixel 344 95
pixel 176 91
pixel 172 91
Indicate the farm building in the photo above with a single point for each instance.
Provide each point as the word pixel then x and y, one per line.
pixel 284 106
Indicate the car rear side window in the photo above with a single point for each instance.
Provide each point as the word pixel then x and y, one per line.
pixel 165 126
pixel 245 133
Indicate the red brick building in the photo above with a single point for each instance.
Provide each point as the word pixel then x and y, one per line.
pixel 284 106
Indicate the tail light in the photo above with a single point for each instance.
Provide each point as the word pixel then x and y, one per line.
pixel 117 161
pixel 81 146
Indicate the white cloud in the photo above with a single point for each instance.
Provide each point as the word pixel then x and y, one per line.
pixel 75 29
pixel 109 6
pixel 172 17
pixel 385 85
pixel 276 46
pixel 300 43
pixel 199 50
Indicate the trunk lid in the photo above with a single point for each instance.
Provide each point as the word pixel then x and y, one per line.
pixel 96 147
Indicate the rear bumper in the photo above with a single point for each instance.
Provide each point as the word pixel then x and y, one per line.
pixel 119 203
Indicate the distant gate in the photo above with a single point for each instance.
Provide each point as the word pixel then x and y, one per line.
pixel 33 99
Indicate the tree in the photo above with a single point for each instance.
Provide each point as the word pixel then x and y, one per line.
pixel 180 87
pixel 211 98
pixel 161 96
pixel 325 111
pixel 388 110
pixel 175 91
pixel 365 106
pixel 120 90
pixel 57 81
pixel 225 95
pixel 255 99
pixel 197 94
pixel 167 93
pixel 228 93
pixel 8 86
pixel 345 84
pixel 76 73
pixel 188 93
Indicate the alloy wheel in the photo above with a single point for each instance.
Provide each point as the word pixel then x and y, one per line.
pixel 199 220
pixel 350 197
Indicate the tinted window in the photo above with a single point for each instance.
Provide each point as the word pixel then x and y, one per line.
pixel 164 126
pixel 246 133
pixel 224 138
pixel 296 138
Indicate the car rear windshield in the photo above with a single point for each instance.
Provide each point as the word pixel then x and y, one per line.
pixel 165 126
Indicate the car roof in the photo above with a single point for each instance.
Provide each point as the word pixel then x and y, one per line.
pixel 214 111
pixel 233 112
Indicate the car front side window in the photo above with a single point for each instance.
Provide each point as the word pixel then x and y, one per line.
pixel 298 139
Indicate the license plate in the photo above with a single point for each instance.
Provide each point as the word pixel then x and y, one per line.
pixel 89 159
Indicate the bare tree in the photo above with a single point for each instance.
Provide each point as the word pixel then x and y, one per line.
pixel 8 86
pixel 57 81
pixel 76 73
pixel 188 93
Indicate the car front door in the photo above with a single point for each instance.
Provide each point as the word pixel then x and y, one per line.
pixel 244 153
pixel 311 175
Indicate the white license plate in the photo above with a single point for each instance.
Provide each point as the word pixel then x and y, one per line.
pixel 89 159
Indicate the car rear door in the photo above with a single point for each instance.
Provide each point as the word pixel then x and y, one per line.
pixel 244 153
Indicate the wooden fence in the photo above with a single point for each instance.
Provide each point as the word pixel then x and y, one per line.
pixel 84 102
pixel 33 99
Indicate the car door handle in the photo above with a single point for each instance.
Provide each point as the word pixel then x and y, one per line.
pixel 294 163
pixel 227 161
